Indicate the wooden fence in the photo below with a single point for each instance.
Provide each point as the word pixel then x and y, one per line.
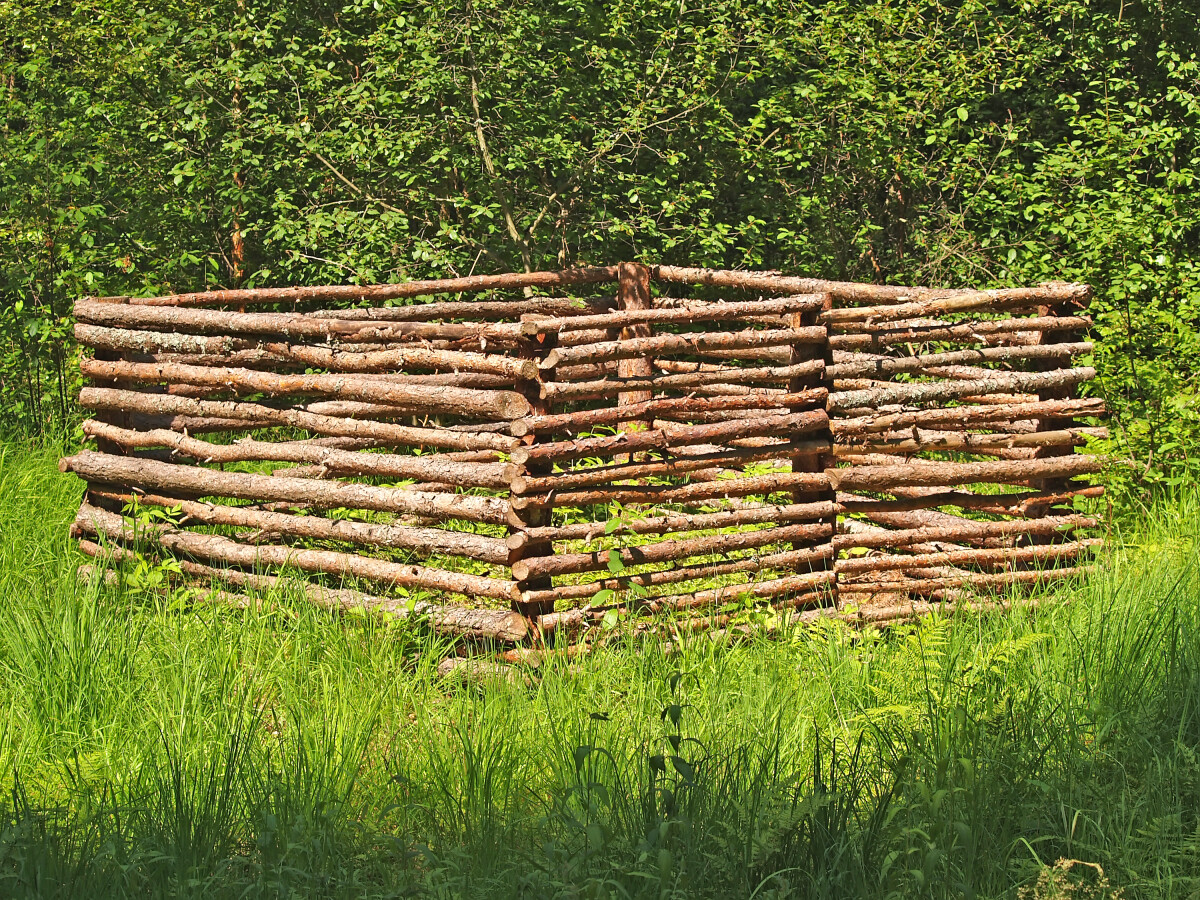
pixel 558 446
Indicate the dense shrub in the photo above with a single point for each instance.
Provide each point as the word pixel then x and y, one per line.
pixel 175 145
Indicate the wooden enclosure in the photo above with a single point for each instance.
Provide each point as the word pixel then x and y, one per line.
pixel 518 455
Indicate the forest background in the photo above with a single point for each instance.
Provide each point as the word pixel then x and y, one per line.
pixel 175 145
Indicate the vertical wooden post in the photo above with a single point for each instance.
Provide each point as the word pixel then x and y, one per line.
pixel 535 348
pixel 633 292
pixel 819 461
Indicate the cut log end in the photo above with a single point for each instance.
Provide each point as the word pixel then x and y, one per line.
pixel 513 406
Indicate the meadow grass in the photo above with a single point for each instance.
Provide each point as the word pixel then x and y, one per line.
pixel 154 749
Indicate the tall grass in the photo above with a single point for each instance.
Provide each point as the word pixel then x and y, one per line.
pixel 152 749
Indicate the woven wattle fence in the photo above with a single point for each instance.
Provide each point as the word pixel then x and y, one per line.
pixel 524 454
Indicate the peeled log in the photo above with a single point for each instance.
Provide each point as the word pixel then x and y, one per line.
pixel 876 478
pixel 93 520
pixel 194 481
pixel 430 398
pixel 255 415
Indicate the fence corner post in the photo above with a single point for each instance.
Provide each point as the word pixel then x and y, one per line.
pixel 520 516
pixel 810 461
pixel 633 293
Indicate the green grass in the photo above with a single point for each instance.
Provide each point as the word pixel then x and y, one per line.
pixel 149 749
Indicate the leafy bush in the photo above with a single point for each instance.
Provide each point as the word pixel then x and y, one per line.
pixel 253 143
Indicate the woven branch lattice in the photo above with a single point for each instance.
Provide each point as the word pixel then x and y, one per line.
pixel 523 454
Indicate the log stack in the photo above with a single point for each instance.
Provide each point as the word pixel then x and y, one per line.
pixel 519 455
pixel 956 416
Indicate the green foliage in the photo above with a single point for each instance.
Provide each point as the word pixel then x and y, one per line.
pixel 282 750
pixel 243 142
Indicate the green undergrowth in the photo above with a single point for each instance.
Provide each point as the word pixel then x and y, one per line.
pixel 154 749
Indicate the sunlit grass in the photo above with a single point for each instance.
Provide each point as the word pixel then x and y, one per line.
pixel 152 749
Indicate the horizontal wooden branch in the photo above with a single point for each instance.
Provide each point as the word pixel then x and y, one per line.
pixel 193 481
pixel 431 398
pixel 666 468
pixel 406 358
pixel 335 461
pixel 667 551
pixel 249 415
pixel 558 391
pixel 503 626
pixel 379 293
pixel 714 312
pixel 923 392
pixel 796 560
pixel 188 349
pixel 891 365
pixel 967 530
pixel 915 472
pixel 966 416
pixel 679 522
pixel 287 326
pixel 952 441
pixel 1047 292
pixel 710 490
pixel 967 301
pixel 972 580
pixel 93 520
pixel 1039 553
pixel 1013 331
pixel 688 343
pixel 803 589
pixel 473 310
pixel 584 420
pixel 276 524
pixel 806 586
pixel 1017 504
pixel 658 439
